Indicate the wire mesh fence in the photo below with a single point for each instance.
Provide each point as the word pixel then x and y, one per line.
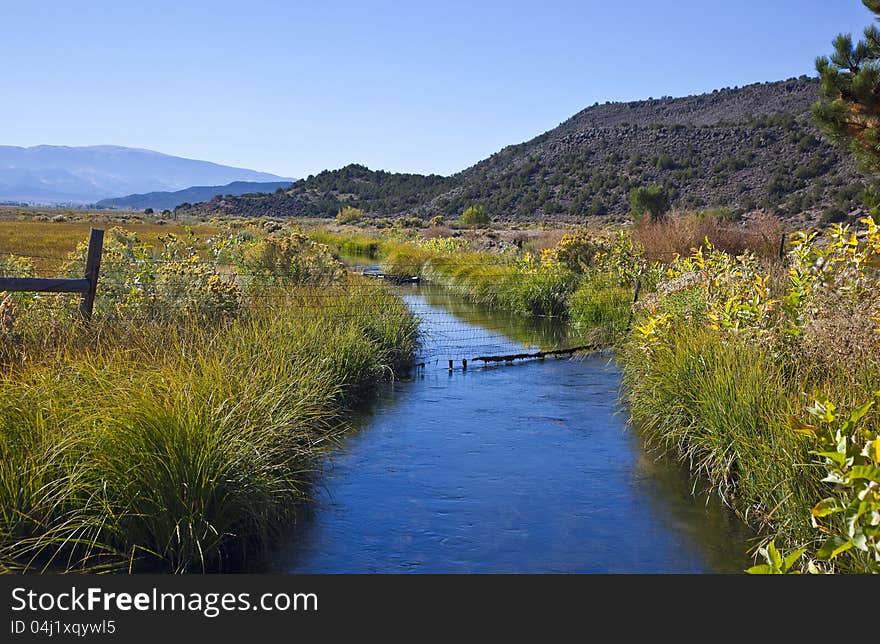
pixel 452 327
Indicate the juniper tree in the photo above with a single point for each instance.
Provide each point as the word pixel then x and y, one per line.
pixel 653 200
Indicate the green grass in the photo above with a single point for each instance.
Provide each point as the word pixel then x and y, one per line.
pixel 488 279
pixel 184 446
pixel 722 408
pixel 350 245
pixel 600 308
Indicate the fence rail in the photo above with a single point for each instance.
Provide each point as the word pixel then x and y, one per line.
pixel 87 286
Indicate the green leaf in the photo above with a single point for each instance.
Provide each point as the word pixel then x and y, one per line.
pixel 836 457
pixel 870 472
pixel 762 569
pixel 828 506
pixel 833 547
pixel 857 414
pixel 792 558
pixel 872 450
pixel 773 555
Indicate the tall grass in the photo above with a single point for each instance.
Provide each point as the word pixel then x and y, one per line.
pixel 350 245
pixel 722 408
pixel 728 357
pixel 488 279
pixel 177 440
pixel 600 308
pixel 678 233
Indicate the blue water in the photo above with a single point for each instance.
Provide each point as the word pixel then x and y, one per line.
pixel 523 468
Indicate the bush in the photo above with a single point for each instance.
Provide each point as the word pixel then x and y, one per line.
pixel 290 257
pixel 575 251
pixel 653 200
pixel 475 215
pixel 676 235
pixel 410 222
pixel 349 215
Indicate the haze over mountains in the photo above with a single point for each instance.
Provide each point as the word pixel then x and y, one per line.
pixel 739 148
pixel 169 200
pixel 61 174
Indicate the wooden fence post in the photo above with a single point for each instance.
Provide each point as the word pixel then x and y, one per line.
pixel 93 268
pixel 632 309
pixel 782 246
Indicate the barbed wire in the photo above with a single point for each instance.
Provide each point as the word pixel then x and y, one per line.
pixel 451 327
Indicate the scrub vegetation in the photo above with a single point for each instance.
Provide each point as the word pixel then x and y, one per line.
pixel 181 427
pixel 757 369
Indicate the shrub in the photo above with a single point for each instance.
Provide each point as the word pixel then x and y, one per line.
pixel 475 215
pixel 676 235
pixel 137 282
pixel 575 251
pixel 349 215
pixel 653 200
pixel 410 222
pixel 291 257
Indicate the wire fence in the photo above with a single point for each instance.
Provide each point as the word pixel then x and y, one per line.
pixel 451 327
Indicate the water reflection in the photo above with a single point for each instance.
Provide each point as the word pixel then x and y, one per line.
pixel 525 468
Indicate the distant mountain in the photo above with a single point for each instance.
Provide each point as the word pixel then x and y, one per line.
pixel 170 200
pixel 739 148
pixel 59 174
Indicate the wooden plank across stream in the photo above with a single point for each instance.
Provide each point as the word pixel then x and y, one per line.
pixel 538 354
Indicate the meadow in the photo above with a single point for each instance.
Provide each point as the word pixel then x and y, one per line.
pixel 180 430
pixel 182 427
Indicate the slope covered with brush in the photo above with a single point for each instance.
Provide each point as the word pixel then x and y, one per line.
pixel 738 148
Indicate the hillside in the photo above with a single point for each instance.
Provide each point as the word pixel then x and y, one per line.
pixel 739 148
pixel 59 174
pixel 168 200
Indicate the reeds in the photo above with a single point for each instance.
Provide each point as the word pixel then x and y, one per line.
pixel 678 233
pixel 182 445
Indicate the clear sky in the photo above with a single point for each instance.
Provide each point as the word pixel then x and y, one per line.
pixel 297 87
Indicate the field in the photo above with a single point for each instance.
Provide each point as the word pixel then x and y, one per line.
pixel 45 238
pixel 181 427
pixel 224 359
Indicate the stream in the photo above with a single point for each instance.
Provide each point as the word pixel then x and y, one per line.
pixel 527 467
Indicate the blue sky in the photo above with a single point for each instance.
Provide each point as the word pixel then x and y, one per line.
pixel 297 87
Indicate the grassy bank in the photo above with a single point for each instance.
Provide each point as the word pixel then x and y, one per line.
pixel 181 428
pixel 759 374
pixel 762 378
pixel 350 245
pixel 563 283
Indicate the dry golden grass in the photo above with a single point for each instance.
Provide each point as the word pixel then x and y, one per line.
pixel 681 232
pixel 47 242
